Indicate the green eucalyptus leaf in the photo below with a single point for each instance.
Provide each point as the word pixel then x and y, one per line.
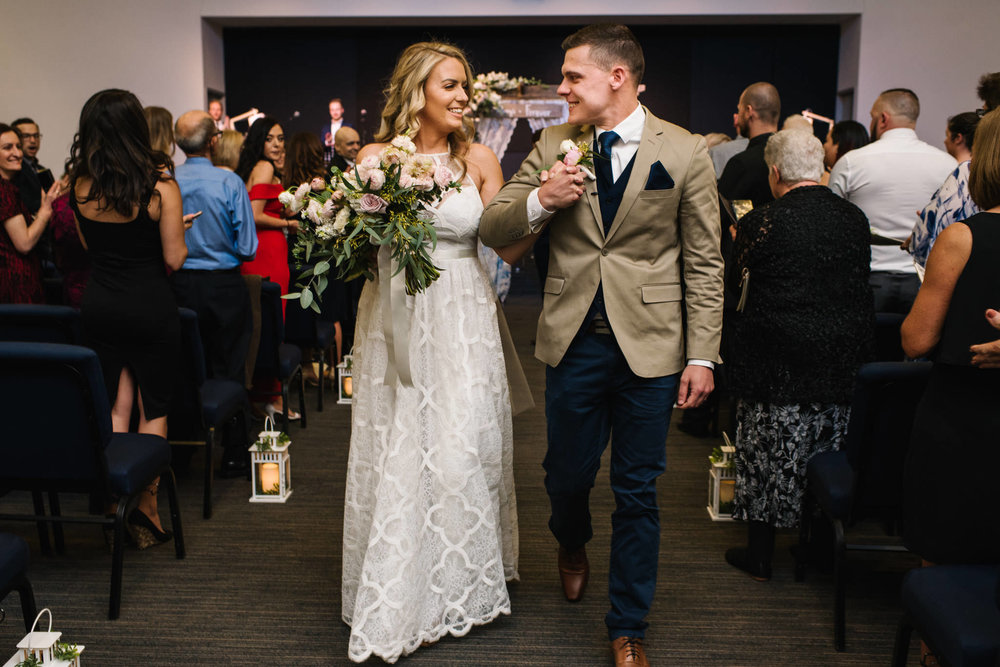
pixel 305 299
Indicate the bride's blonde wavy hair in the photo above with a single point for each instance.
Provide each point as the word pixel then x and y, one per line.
pixel 404 97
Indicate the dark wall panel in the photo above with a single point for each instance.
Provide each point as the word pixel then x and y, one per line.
pixel 694 74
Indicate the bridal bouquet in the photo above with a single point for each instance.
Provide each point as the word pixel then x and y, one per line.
pixel 386 200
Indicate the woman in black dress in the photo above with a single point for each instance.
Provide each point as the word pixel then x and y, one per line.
pixel 129 216
pixel 949 480
pixel 806 326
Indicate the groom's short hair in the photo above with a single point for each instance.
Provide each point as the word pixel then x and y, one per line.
pixel 610 44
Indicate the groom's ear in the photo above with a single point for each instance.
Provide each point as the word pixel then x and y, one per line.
pixel 618 76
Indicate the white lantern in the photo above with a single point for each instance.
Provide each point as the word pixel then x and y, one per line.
pixel 345 381
pixel 722 482
pixel 270 466
pixel 44 648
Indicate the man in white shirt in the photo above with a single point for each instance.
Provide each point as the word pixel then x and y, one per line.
pixel 890 179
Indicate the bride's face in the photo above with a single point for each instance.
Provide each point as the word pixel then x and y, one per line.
pixel 446 96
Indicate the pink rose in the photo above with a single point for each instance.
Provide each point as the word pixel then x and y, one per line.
pixel 375 179
pixel 329 208
pixel 370 162
pixel 424 183
pixel 443 176
pixel 406 181
pixel 572 157
pixel 370 204
pixel 317 184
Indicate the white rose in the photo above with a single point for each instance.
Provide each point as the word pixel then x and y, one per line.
pixel 343 217
pixel 285 198
pixel 403 143
pixel 566 146
pixel 315 212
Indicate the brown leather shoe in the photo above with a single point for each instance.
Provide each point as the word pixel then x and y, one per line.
pixel 628 652
pixel 574 569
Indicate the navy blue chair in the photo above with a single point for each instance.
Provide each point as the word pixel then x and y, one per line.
pixel 275 358
pixel 200 405
pixel 40 323
pixel 14 575
pixel 65 444
pixel 864 480
pixel 956 611
pixel 308 329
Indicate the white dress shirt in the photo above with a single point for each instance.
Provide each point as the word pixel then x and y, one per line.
pixel 890 180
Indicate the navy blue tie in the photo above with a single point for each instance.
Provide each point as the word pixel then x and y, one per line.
pixel 603 163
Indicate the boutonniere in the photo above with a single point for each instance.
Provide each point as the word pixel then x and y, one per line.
pixel 579 155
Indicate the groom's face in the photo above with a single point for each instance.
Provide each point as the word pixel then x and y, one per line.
pixel 586 87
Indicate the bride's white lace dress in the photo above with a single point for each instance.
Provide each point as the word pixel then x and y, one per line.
pixel 430 519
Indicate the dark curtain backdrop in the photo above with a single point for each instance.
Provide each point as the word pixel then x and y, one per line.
pixel 694 74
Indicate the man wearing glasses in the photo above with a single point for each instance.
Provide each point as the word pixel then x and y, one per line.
pixel 34 178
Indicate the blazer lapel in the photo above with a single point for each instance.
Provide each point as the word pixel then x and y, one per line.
pixel 649 148
pixel 590 185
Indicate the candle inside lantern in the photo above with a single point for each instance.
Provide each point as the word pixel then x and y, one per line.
pixel 348 386
pixel 727 489
pixel 269 479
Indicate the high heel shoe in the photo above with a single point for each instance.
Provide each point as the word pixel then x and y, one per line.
pixel 144 531
pixel 274 413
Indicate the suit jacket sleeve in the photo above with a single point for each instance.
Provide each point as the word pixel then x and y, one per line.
pixel 702 258
pixel 505 219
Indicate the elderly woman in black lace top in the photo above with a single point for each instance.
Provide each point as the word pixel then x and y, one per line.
pixel 805 325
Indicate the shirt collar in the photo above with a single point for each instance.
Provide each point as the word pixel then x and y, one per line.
pixel 630 129
pixel 898 133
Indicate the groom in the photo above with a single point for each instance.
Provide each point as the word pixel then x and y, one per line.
pixel 632 311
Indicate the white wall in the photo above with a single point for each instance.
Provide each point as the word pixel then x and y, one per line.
pixel 59 52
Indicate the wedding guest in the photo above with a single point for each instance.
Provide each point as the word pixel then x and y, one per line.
pixel 989 91
pixel 430 517
pixel 128 209
pixel 20 267
pixel 31 140
pixel 953 456
pixel 745 175
pixel 346 144
pixel 226 151
pixel 806 326
pixel 952 201
pixel 259 166
pixel 843 137
pixel 890 179
pixel 161 129
pixel 626 327
pixel 987 355
pixel 219 117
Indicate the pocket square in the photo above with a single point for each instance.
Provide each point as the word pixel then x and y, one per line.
pixel 658 178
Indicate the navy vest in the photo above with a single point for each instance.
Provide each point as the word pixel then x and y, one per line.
pixel 609 196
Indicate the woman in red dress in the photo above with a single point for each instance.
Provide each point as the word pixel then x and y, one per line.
pixel 20 267
pixel 261 160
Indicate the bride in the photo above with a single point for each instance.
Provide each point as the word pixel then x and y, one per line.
pixel 430 518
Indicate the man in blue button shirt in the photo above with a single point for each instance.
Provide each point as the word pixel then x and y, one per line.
pixel 218 241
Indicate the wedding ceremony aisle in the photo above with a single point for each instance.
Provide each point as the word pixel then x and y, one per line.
pixel 261 582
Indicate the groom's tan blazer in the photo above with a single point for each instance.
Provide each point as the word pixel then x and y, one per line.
pixel 660 263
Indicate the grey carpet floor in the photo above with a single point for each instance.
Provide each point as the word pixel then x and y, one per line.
pixel 261 583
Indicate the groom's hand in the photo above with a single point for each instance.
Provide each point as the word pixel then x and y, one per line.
pixel 697 382
pixel 561 187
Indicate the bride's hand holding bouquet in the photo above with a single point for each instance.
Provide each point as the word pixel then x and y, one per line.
pixel 384 200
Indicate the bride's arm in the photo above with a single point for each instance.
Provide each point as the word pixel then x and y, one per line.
pixel 489 181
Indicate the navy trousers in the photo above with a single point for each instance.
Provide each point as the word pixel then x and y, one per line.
pixel 593 394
